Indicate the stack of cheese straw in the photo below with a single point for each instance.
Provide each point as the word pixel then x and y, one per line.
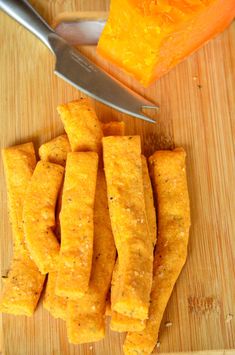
pixel 84 215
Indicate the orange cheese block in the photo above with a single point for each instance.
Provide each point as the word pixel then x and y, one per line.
pixel 147 38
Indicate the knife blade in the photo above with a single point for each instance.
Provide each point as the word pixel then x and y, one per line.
pixel 80 28
pixel 75 68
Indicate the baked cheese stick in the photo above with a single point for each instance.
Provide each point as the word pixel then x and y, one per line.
pixel 120 322
pixel 123 171
pixel 170 184
pixel 24 282
pixel 108 305
pixel 149 203
pixel 39 215
pixel 77 226
pixel 19 163
pixel 81 125
pixel 56 305
pixel 56 150
pixel 85 320
pixel 113 128
pixel 23 286
pixel 91 307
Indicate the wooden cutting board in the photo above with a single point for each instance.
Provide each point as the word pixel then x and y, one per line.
pixel 197 101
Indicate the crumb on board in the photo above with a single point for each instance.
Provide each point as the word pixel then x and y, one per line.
pixel 228 318
pixel 168 324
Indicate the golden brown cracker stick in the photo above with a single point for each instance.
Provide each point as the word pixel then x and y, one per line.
pixel 77 227
pixel 19 163
pixel 169 177
pixel 24 282
pixel 23 286
pixel 56 150
pixel 148 199
pixel 57 213
pixel 91 307
pixel 108 305
pixel 39 215
pixel 120 322
pixel 113 128
pixel 123 170
pixel 82 125
pixel 86 328
pixel 56 305
pixel 92 328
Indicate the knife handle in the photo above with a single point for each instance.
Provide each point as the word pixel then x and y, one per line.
pixel 26 15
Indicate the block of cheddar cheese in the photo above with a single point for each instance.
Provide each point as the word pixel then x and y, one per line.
pixel 147 38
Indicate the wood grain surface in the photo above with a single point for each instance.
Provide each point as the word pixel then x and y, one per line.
pixel 197 101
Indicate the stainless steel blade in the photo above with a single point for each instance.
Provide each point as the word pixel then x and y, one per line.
pixel 75 68
pixel 83 31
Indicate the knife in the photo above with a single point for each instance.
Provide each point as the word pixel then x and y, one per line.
pixel 80 28
pixel 75 68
